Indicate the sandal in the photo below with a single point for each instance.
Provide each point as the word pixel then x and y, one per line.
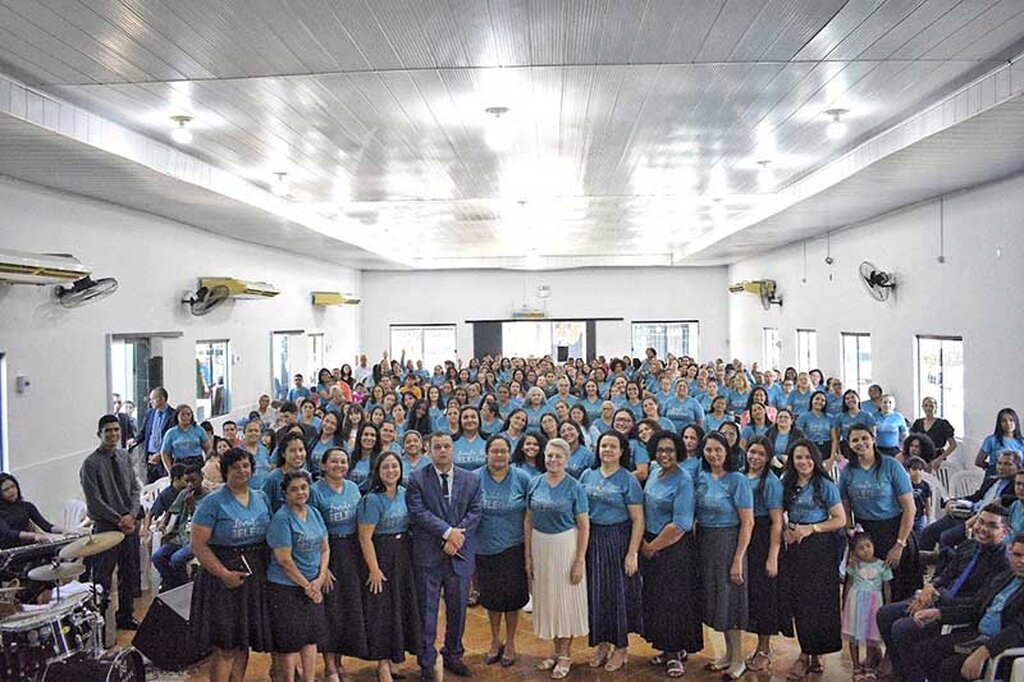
pixel 614 665
pixel 491 659
pixel 760 661
pixel 675 668
pixel 660 659
pixel 562 668
pixel 601 656
pixel 798 670
pixel 717 666
pixel 547 664
pixel 815 667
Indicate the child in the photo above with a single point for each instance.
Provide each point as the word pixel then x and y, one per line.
pixel 867 589
pixel 922 494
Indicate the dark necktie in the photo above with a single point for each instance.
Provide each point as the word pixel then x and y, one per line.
pixel 444 486
pixel 962 578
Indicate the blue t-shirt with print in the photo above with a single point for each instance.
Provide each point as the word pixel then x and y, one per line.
pixel 338 508
pixel 803 508
pixel 718 499
pixel 581 459
pixel 682 413
pixel 185 443
pixel 844 422
pixel 873 493
pixel 554 509
pixel 305 539
pixel 233 524
pixel 771 495
pixel 469 454
pixel 388 516
pixel 668 499
pixel 608 498
pixel 816 428
pixel 889 428
pixel 503 508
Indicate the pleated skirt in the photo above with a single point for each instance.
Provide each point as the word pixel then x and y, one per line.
pixel 559 607
pixel 502 581
pixel 232 619
pixel 392 617
pixel 809 594
pixel 906 577
pixel 614 600
pixel 343 606
pixel 725 603
pixel 672 597
pixel 297 621
pixel 762 594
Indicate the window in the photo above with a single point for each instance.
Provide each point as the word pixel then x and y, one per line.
pixel 678 338
pixel 212 387
pixel 806 350
pixel 771 348
pixel 129 373
pixel 940 375
pixel 856 350
pixel 316 357
pixel 559 339
pixel 431 343
pixel 4 464
pixel 287 354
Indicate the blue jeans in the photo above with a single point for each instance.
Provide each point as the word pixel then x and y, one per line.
pixel 170 560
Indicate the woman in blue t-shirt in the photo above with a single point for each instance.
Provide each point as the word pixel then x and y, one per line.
pixel 363 454
pixel 528 454
pixel 808 577
pixel 615 501
pixel 291 456
pixel 890 430
pixel 1005 436
pixel 393 626
pixel 765 544
pixel 725 517
pixel 581 458
pixel 330 437
pixel 816 425
pixel 758 425
pixel 591 400
pixel 297 576
pixel 849 415
pixel 716 416
pixel 638 461
pixel 468 443
pixel 229 606
pixel 557 530
pixel 185 442
pixel 880 497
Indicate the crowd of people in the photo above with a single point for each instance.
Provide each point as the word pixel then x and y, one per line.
pixel 609 497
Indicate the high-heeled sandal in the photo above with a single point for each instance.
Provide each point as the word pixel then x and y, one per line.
pixel 798 670
pixel 547 664
pixel 613 666
pixel 601 656
pixel 562 668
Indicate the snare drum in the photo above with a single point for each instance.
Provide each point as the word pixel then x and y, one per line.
pixel 32 639
pixel 117 665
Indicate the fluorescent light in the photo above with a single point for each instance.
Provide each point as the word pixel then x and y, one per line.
pixel 181 133
pixel 836 129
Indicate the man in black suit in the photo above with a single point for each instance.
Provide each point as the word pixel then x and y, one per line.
pixel 159 418
pixel 995 620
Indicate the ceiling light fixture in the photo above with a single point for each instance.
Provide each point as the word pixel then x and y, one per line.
pixel 181 133
pixel 766 176
pixel 279 187
pixel 498 134
pixel 836 129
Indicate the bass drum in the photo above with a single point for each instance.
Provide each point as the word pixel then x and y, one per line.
pixel 117 665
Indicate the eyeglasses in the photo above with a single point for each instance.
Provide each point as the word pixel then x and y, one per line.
pixel 666 451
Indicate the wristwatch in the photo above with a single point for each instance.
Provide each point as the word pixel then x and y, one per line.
pixel 901 542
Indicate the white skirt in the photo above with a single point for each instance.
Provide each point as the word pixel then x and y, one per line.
pixel 559 607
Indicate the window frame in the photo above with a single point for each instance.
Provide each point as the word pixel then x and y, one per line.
pixel 919 395
pixel 694 345
pixel 777 353
pixel 396 355
pixel 210 343
pixel 812 356
pixel 861 386
pixel 311 339
pixel 293 367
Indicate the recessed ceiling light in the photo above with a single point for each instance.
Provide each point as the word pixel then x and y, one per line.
pixel 181 133
pixel 498 134
pixel 765 176
pixel 279 187
pixel 837 128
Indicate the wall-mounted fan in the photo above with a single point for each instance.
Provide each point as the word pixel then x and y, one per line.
pixel 206 299
pixel 85 290
pixel 878 282
pixel 762 288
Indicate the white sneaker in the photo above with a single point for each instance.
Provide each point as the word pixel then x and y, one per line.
pixel 529 605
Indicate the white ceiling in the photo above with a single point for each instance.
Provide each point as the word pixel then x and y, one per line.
pixel 635 126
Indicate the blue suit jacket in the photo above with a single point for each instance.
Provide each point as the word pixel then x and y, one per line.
pixel 147 425
pixel 431 517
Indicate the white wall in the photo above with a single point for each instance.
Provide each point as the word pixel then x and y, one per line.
pixel 63 352
pixel 631 293
pixel 975 294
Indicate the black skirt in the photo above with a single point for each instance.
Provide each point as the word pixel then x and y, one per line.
pixel 298 621
pixel 762 593
pixel 501 579
pixel 392 617
pixel 809 594
pixel 907 576
pixel 672 597
pixel 343 606
pixel 232 619
pixel 614 601
pixel 725 603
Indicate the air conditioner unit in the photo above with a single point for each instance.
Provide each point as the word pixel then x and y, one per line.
pixel 238 288
pixel 762 288
pixel 326 298
pixel 528 314
pixel 20 267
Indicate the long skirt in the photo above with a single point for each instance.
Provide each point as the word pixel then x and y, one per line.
pixel 343 606
pixel 763 618
pixel 671 597
pixel 614 600
pixel 392 617
pixel 725 603
pixel 297 621
pixel 559 607
pixel 906 577
pixel 809 594
pixel 502 579
pixel 237 618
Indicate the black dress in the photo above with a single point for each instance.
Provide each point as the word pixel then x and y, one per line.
pixel 940 433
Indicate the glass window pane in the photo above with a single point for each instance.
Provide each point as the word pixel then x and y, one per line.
pixel 211 379
pixel 438 346
pixel 287 354
pixel 940 375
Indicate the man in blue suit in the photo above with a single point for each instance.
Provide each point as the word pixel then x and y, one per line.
pixel 157 421
pixel 444 506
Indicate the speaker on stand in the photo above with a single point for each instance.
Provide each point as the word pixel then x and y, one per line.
pixel 163 635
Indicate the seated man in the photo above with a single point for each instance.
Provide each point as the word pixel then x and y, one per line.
pixel 948 531
pixel 995 620
pixel 171 558
pixel 166 497
pixel 974 563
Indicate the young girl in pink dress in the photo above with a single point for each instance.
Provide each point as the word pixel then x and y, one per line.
pixel 867 589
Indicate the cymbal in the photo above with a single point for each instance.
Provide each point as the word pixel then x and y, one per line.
pixel 50 573
pixel 91 544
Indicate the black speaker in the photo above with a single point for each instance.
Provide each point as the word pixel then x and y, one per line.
pixel 163 635
pixel 563 353
pixel 155 368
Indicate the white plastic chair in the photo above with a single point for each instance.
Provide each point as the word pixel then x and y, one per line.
pixel 966 482
pixel 938 495
pixel 945 472
pixel 76 516
pixel 1017 671
pixel 152 491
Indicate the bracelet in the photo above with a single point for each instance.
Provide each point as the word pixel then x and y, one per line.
pixel 814 528
pixel 901 542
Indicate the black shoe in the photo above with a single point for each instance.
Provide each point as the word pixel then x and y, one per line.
pixel 456 667
pixel 426 674
pixel 127 624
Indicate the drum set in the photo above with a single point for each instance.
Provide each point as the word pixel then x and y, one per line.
pixel 62 640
